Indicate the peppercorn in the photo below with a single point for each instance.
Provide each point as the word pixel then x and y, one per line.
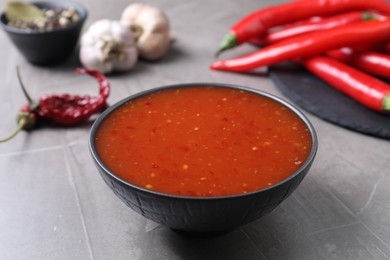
pixel 52 19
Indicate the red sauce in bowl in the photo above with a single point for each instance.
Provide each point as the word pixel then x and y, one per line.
pixel 203 141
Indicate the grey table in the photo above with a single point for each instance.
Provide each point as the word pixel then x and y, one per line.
pixel 54 204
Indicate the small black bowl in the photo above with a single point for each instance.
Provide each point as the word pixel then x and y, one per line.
pixel 48 47
pixel 201 214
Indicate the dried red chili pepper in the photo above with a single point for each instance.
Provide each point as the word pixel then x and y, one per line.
pixel 365 89
pixel 259 22
pixel 309 44
pixel 370 61
pixel 62 109
pixel 71 110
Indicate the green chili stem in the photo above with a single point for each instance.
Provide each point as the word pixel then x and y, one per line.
pixel 21 125
pixel 22 85
pixel 33 104
pixel 229 41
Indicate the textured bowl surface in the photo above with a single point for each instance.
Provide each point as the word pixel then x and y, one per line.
pixel 49 47
pixel 201 214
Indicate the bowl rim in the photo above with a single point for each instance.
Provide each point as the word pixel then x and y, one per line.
pixel 92 133
pixel 82 10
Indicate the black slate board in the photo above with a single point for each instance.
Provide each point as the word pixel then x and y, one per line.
pixel 318 98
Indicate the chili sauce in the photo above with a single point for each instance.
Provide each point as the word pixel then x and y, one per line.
pixel 203 141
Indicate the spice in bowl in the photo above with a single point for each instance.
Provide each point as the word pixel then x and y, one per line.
pixel 202 157
pixel 29 17
pixel 203 141
pixel 45 33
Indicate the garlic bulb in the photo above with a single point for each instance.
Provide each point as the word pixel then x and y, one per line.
pixel 108 46
pixel 151 28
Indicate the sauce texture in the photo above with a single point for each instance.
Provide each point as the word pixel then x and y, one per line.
pixel 203 141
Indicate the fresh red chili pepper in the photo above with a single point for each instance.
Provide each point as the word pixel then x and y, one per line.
pixel 256 24
pixel 345 54
pixel 62 109
pixel 384 48
pixel 372 62
pixel 309 44
pixel 317 25
pixel 364 88
pixel 313 24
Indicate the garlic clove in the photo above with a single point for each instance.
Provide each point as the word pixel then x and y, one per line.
pixel 127 60
pixel 91 59
pixel 122 35
pixel 153 46
pixel 151 28
pixel 108 46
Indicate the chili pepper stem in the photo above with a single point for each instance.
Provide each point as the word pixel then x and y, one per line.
pixel 33 104
pixel 21 125
pixel 386 103
pixel 228 41
pixel 22 85
pixel 366 16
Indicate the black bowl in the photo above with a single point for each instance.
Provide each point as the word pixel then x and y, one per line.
pixel 49 47
pixel 202 214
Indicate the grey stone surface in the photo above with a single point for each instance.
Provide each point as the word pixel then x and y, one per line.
pixel 54 204
pixel 40 210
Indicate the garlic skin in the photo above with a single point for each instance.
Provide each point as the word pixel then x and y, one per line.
pixel 151 28
pixel 108 46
